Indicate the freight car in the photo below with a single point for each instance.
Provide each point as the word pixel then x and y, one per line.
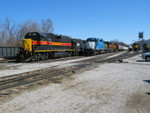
pixel 41 46
pixel 122 48
pixel 135 46
pixel 130 48
pixel 146 47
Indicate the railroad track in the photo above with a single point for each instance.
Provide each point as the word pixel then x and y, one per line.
pixel 34 77
pixel 118 58
pixel 53 74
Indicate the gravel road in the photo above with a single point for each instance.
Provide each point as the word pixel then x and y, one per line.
pixel 109 88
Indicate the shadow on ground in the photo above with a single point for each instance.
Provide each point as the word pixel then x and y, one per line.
pixel 147 93
pixel 147 81
pixel 140 61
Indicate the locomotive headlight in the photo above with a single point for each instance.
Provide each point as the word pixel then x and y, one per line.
pixel 78 44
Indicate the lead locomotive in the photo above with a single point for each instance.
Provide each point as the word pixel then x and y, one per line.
pixel 40 46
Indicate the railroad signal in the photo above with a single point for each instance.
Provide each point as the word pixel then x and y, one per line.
pixel 140 34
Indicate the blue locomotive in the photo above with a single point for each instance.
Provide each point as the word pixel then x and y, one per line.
pixel 94 46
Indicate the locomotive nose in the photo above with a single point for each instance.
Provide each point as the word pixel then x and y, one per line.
pixel 90 45
pixel 27 44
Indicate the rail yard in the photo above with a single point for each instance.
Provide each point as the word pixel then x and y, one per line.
pixel 108 83
pixel 75 56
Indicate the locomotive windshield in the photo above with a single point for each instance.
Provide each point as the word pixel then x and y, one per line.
pixel 91 40
pixel 38 36
pixel 33 36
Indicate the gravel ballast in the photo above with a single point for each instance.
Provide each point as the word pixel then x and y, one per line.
pixel 109 88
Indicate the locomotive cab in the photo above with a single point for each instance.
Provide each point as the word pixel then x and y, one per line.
pixel 27 49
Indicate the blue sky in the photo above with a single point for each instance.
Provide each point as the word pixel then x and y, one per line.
pixel 107 19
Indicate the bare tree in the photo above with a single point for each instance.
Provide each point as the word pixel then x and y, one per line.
pixel 28 26
pixel 9 27
pixel 11 34
pixel 47 26
pixel 119 42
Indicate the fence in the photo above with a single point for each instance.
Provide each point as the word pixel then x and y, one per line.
pixel 6 52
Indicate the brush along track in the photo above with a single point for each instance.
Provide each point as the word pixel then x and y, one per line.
pixel 52 74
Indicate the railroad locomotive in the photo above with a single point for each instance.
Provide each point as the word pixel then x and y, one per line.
pixel 111 47
pixel 146 47
pixel 94 46
pixel 135 47
pixel 41 46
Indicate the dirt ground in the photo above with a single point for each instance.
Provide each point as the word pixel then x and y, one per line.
pixel 109 88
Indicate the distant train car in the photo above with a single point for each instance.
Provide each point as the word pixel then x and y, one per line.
pixel 130 48
pixel 146 47
pixel 94 46
pixel 115 47
pixel 122 48
pixel 125 48
pixel 110 47
pixel 135 47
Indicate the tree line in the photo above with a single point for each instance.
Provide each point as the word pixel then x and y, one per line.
pixel 11 33
pixel 119 42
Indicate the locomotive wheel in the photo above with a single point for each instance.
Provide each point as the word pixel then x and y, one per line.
pixel 18 59
pixel 51 55
pixel 42 56
pixel 93 53
pixel 66 54
pixel 77 53
pixel 37 57
pixel 46 56
pixel 70 54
